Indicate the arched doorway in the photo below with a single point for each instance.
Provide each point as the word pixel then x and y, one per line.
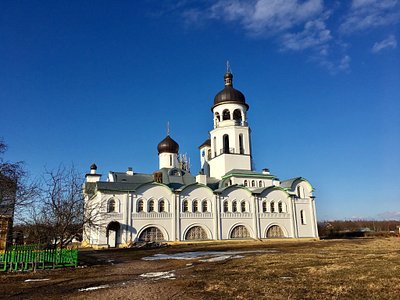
pixel 275 232
pixel 196 233
pixel 113 234
pixel 151 234
pixel 240 232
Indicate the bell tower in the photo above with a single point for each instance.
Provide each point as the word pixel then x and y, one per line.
pixel 230 138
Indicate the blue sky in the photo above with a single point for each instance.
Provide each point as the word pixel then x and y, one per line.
pixel 97 81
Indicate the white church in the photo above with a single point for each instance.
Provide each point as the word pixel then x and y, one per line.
pixel 228 199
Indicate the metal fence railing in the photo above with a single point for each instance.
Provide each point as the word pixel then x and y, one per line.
pixel 31 259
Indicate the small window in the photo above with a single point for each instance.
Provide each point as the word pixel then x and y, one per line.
pixel 280 207
pixel 234 206
pixel 272 207
pixel 260 183
pixel 195 206
pixel 245 183
pixel 243 206
pixel 170 160
pixel 302 218
pixel 226 115
pixel 140 206
pixel 253 183
pixel 161 206
pixel 264 207
pixel 111 206
pixel 225 206
pixel 151 206
pixel 204 206
pixel 185 206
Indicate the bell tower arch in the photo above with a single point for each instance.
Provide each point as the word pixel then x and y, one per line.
pixel 230 137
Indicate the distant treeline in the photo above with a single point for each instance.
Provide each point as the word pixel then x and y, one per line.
pixel 357 228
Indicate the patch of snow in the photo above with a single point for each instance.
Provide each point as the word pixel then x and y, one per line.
pixel 189 264
pixel 159 275
pixel 286 277
pixel 93 288
pixel 201 254
pixel 36 280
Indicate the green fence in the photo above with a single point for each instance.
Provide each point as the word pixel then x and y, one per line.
pixel 16 260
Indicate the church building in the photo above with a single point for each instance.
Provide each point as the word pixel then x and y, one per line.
pixel 228 199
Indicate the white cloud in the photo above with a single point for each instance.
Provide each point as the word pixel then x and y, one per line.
pixel 367 14
pixel 266 16
pixel 303 25
pixel 315 34
pixel 389 43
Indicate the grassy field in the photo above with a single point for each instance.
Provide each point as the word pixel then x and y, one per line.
pixel 331 269
pixel 355 269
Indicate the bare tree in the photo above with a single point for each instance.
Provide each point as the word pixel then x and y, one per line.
pixel 61 214
pixel 15 180
pixel 17 192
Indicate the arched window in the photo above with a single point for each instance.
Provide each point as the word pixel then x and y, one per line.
pixel 237 115
pixel 260 183
pixel 151 234
pixel 140 206
pixel 196 233
pixel 195 206
pixel 275 232
pixel 302 218
pixel 150 206
pixel 226 115
pixel 217 117
pixel 204 206
pixel 111 205
pixel 225 206
pixel 253 183
pixel 240 232
pixel 225 141
pixel 185 205
pixel 245 183
pixel 272 207
pixel 243 206
pixel 264 206
pixel 234 206
pixel 161 206
pixel 280 207
pixel 241 149
pixel 300 191
pixel 215 146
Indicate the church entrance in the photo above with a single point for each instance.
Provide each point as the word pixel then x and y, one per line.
pixel 151 234
pixel 240 232
pixel 275 232
pixel 113 234
pixel 196 233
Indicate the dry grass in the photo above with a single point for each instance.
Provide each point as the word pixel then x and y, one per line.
pixel 354 269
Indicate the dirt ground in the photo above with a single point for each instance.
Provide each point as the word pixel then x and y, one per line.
pixel 330 269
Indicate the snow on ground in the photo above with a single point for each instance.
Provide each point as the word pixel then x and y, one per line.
pixel 93 288
pixel 214 255
pixel 159 275
pixel 221 258
pixel 36 280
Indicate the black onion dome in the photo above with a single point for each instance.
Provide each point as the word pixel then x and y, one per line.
pixel 168 145
pixel 93 167
pixel 229 94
